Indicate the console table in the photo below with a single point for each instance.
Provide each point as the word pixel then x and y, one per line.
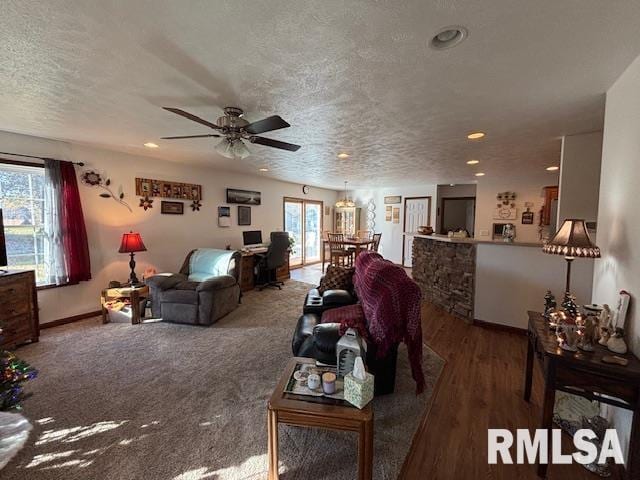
pixel 584 374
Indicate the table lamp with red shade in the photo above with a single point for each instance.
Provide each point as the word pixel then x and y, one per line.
pixel 131 243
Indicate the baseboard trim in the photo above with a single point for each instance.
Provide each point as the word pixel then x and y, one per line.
pixel 74 318
pixel 500 327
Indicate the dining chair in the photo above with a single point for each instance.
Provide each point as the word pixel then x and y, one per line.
pixel 338 255
pixel 376 242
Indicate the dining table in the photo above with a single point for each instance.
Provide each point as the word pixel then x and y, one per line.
pixel 360 244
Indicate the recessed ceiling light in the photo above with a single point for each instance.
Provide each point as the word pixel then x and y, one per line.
pixel 151 145
pixel 264 169
pixel 553 168
pixel 343 155
pixel 448 37
pixel 473 162
pixel 452 184
pixel 475 135
pixel 480 174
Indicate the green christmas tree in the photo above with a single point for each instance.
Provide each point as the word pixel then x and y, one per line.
pixel 13 373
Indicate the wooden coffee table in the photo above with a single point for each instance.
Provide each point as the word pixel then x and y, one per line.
pixel 294 410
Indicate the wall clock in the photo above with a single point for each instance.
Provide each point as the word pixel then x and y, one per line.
pixel 505 212
pixel 305 189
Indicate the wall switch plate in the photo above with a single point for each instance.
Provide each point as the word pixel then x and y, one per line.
pixel 484 233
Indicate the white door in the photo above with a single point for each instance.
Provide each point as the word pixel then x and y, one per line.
pixel 416 214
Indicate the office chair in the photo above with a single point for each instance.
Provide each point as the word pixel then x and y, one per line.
pixel 275 258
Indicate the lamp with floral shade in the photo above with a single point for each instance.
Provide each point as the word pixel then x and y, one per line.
pixel 572 240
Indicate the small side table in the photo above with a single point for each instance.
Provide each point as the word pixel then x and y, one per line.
pixel 134 294
pixel 291 410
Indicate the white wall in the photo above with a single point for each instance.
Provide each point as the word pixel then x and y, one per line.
pixel 526 189
pixel 619 216
pixel 580 177
pixel 511 279
pixel 392 238
pixel 168 238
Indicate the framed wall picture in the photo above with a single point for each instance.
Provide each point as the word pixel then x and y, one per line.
pixel 387 213
pixel 172 208
pixel 244 215
pixel 244 197
pixel 396 214
pixel 393 199
pixel 527 218
pixel 224 216
pixel 148 187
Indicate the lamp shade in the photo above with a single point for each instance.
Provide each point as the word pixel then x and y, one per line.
pixel 572 240
pixel 131 242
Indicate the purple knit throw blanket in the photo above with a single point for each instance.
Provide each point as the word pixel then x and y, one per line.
pixel 391 302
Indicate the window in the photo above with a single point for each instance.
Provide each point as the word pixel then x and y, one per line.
pixel 22 203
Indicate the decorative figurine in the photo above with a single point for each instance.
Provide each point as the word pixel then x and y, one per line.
pixel 604 324
pixel 569 305
pixel 550 304
pixel 588 336
pixel 569 335
pixel 616 342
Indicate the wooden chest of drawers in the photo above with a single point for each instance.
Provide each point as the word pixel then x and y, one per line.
pixel 18 308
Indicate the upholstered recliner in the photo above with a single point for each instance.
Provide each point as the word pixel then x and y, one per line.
pixel 206 289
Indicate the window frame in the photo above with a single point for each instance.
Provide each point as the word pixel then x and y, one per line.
pixel 22 163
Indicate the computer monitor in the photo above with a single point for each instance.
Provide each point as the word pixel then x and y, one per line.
pixel 252 237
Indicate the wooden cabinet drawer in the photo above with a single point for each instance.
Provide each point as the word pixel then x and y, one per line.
pixel 18 308
pixel 20 324
pixel 12 290
pixel 10 307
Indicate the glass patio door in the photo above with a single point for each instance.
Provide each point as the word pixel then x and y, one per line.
pixel 303 221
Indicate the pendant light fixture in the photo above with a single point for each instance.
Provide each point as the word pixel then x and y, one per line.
pixel 345 202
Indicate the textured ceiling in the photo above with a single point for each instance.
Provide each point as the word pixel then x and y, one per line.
pixel 355 76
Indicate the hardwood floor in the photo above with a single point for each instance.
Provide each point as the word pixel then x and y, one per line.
pixel 480 388
pixel 309 274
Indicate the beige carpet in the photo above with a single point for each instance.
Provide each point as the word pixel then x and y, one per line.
pixel 176 402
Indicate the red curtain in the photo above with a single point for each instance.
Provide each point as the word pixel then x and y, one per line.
pixel 76 246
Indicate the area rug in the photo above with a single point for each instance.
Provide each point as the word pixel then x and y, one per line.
pixel 178 402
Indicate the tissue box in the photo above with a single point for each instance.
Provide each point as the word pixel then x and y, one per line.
pixel 358 392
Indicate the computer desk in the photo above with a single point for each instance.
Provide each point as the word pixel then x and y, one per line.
pixel 247 267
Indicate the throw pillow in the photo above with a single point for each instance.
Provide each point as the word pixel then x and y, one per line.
pixel 337 278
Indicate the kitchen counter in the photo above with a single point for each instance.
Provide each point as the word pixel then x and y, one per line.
pixel 444 238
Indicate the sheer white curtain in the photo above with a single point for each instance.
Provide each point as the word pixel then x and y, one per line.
pixel 54 250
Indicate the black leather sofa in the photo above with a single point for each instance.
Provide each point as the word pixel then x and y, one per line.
pixel 313 339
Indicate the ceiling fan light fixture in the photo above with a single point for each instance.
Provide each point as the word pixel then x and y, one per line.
pixel 232 149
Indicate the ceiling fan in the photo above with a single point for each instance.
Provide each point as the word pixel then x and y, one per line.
pixel 234 129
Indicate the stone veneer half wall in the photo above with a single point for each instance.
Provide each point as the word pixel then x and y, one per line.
pixel 445 272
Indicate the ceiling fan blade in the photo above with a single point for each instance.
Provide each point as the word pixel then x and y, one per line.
pixel 192 117
pixel 268 124
pixel 190 136
pixel 275 143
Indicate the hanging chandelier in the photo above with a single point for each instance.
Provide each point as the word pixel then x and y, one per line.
pixel 345 202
